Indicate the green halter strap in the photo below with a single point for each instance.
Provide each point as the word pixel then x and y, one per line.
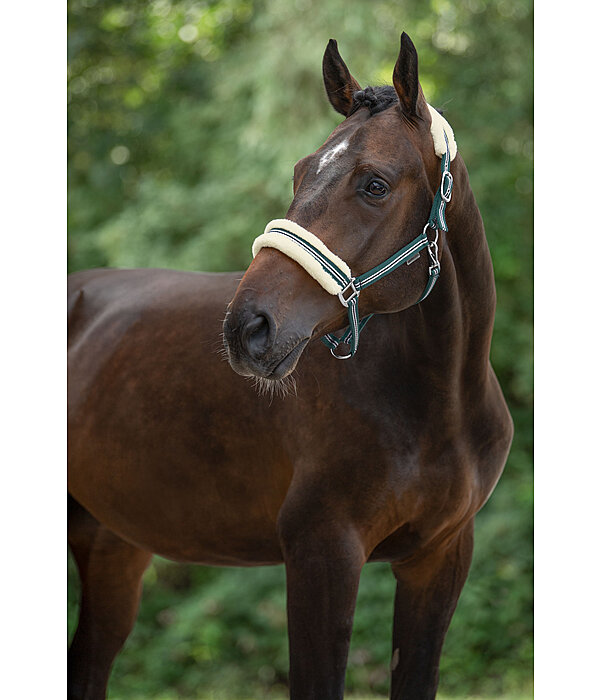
pixel 351 287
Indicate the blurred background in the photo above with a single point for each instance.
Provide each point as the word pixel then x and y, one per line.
pixel 185 121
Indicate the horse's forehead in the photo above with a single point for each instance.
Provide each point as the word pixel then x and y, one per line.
pixel 379 141
pixel 332 152
pixel 386 136
pixel 382 137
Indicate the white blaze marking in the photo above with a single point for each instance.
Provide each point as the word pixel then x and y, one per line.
pixel 333 153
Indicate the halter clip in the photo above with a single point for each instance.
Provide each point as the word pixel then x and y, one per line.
pixel 432 249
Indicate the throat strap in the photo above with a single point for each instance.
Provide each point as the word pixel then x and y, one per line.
pixel 349 296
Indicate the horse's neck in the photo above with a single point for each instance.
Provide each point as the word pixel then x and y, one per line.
pixel 470 255
pixel 451 330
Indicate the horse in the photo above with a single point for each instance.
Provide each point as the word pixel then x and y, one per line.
pixel 383 453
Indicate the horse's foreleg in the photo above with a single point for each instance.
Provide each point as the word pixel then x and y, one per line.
pixel 111 574
pixel 427 592
pixel 323 567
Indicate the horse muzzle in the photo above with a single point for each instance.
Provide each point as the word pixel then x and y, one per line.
pixel 257 347
pixel 274 313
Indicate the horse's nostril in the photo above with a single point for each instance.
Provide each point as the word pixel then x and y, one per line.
pixel 255 335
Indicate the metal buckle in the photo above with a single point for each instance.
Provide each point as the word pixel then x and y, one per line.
pixel 446 197
pixel 354 294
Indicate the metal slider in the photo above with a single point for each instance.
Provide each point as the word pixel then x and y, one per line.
pixel 446 175
pixel 353 295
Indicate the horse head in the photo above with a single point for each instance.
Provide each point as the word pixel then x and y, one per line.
pixel 364 194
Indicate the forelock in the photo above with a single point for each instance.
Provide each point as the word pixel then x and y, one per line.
pixel 375 99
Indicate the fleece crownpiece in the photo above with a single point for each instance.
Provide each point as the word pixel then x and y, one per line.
pixel 438 126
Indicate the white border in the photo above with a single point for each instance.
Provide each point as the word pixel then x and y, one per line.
pixel 32 286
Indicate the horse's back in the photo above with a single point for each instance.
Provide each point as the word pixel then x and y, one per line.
pixel 91 293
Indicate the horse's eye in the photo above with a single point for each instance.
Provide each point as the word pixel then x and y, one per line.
pixel 376 188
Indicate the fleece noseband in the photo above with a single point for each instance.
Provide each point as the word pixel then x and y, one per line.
pixel 334 275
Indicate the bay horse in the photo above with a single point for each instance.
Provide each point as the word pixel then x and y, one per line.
pixel 386 456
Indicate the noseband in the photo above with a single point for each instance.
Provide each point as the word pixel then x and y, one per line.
pixel 334 275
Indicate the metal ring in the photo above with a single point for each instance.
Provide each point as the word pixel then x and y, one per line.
pixel 340 357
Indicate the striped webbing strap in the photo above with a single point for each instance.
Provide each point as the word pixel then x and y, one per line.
pixel 341 282
pixel 437 217
pixel 354 285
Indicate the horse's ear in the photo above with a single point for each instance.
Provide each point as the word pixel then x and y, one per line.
pixel 406 78
pixel 339 84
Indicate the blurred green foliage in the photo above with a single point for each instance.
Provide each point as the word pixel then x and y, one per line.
pixel 185 120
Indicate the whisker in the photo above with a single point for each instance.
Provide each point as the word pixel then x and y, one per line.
pixel 272 388
pixel 220 349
